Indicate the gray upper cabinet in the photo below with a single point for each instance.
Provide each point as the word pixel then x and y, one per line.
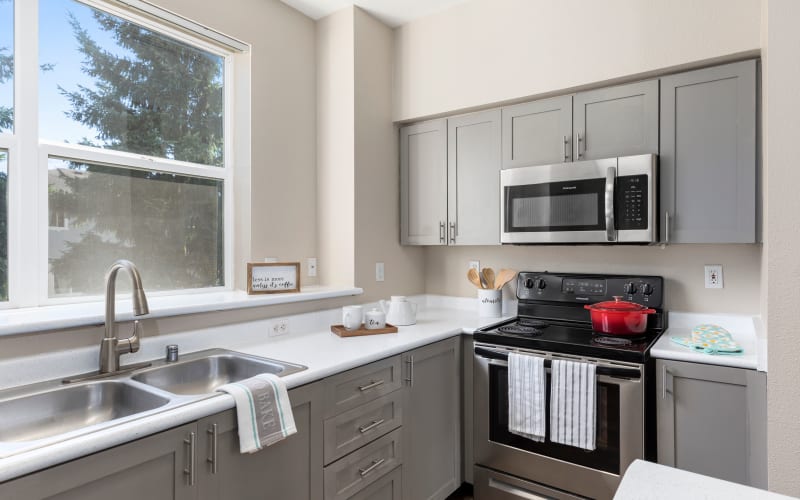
pixel 423 183
pixel 708 155
pixel 473 173
pixel 616 121
pixel 538 132
pixel 151 468
pixel 432 421
pixel 712 420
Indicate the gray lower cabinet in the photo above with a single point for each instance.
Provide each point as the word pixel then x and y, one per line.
pixel 616 121
pixel 712 420
pixel 431 421
pixel 538 132
pixel 151 468
pixel 708 155
pixel 288 470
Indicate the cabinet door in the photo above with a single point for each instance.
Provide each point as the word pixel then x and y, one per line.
pixel 708 420
pixel 708 155
pixel 473 173
pixel 288 470
pixel 151 468
pixel 423 183
pixel 432 421
pixel 538 132
pixel 616 121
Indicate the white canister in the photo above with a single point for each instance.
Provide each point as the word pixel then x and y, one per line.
pixel 352 317
pixel 375 319
pixel 490 303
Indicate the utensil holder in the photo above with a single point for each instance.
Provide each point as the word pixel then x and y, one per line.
pixel 490 303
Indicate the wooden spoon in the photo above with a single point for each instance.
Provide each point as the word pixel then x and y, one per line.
pixel 472 276
pixel 488 276
pixel 503 277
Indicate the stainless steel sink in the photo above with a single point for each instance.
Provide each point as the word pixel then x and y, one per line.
pixel 46 414
pixel 210 370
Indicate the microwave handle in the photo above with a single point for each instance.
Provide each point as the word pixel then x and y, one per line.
pixel 611 175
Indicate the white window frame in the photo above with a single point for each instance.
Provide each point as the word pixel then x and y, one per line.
pixel 28 187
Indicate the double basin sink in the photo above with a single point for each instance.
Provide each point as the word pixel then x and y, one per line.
pixel 48 412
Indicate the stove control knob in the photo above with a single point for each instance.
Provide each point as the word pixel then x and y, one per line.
pixel 647 289
pixel 629 288
pixel 540 283
pixel 528 283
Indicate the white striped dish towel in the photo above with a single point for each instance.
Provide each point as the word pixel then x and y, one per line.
pixel 263 411
pixel 526 396
pixel 572 403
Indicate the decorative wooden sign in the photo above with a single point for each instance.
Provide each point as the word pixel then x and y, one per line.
pixel 273 277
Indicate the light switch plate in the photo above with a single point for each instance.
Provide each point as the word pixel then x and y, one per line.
pixel 379 271
pixel 312 266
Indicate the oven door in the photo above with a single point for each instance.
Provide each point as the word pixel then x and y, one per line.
pixel 598 201
pixel 596 474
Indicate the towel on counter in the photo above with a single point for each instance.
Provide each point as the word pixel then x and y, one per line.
pixel 263 411
pixel 710 339
pixel 572 403
pixel 526 396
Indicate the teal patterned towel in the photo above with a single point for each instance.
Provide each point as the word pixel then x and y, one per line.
pixel 710 339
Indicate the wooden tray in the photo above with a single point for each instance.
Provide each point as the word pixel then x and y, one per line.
pixel 341 331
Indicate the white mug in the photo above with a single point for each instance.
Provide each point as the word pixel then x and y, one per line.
pixel 352 317
pixel 375 319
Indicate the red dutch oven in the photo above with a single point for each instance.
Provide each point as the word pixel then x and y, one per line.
pixel 619 317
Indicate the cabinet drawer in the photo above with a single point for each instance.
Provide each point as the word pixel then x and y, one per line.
pixel 355 428
pixel 389 487
pixel 361 385
pixel 363 467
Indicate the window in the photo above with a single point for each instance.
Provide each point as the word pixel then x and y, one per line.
pixel 130 142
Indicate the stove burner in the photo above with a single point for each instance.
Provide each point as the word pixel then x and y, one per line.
pixel 612 341
pixel 520 329
pixel 533 323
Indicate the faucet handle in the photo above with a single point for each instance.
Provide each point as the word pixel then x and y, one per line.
pixel 132 343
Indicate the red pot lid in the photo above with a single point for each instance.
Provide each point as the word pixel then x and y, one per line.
pixel 616 305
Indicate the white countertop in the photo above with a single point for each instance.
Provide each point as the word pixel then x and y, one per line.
pixel 310 343
pixel 742 328
pixel 649 481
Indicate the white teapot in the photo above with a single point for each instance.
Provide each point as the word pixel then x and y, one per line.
pixel 399 311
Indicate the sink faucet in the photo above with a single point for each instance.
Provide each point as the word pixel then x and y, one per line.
pixel 111 348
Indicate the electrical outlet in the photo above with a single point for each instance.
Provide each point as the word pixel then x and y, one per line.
pixel 379 271
pixel 714 276
pixel 278 327
pixel 475 264
pixel 312 266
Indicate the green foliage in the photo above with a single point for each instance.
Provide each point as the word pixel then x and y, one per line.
pixel 154 96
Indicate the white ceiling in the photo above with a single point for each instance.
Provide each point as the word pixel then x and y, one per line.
pixel 392 12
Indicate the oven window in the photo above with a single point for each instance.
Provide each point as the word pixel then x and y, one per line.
pixel 605 457
pixel 558 206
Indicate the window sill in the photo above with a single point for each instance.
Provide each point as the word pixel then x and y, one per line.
pixel 36 319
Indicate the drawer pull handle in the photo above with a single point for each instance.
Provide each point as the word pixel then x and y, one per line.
pixel 375 465
pixel 371 385
pixel 367 428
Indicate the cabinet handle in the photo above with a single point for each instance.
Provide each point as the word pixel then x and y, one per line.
pixel 410 363
pixel 665 375
pixel 375 465
pixel 367 428
pixel 581 142
pixel 441 232
pixel 213 460
pixel 452 233
pixel 666 226
pixel 566 148
pixel 371 385
pixel 189 471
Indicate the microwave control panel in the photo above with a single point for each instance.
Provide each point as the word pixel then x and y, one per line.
pixel 630 206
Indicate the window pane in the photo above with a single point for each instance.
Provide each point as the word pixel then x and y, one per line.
pixel 3 225
pixel 113 84
pixel 170 226
pixel 6 66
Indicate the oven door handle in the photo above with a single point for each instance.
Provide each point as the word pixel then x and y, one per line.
pixel 630 373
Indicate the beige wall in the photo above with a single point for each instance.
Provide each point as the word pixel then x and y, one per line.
pixel 487 51
pixel 781 81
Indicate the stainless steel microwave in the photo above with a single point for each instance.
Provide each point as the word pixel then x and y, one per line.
pixel 613 200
